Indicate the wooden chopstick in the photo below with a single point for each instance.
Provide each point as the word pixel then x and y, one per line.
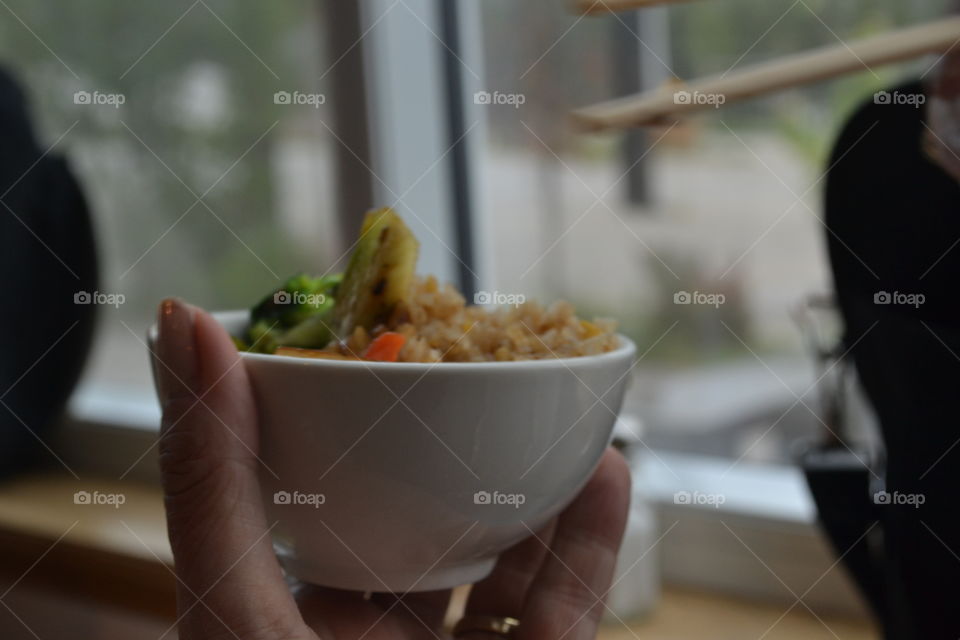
pixel 590 7
pixel 657 106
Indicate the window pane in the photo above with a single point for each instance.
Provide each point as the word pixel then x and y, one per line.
pixel 705 272
pixel 195 130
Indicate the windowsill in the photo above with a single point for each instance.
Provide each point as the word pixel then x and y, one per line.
pixel 116 407
pixel 762 543
pixel 777 493
pixel 111 432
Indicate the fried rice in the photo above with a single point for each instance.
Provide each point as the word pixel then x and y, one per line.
pixel 441 327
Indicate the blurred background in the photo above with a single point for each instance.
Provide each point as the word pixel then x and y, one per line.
pixel 616 223
pixel 225 146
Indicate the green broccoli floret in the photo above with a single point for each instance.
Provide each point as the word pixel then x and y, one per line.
pixel 296 314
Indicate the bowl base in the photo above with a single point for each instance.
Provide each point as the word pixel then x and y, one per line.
pixel 362 579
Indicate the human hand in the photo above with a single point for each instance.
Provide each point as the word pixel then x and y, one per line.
pixel 230 584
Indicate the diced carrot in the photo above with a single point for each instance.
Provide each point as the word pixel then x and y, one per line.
pixel 297 352
pixel 385 347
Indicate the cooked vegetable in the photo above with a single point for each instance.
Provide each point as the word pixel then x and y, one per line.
pixel 379 274
pixel 296 300
pixel 309 313
pixel 386 347
pixel 299 314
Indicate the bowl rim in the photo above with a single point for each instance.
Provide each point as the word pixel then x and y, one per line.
pixel 626 349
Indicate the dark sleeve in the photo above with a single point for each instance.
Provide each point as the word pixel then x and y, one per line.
pixel 894 227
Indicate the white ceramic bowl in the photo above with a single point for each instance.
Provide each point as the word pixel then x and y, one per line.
pixel 410 476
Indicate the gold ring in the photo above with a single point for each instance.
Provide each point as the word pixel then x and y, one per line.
pixel 498 625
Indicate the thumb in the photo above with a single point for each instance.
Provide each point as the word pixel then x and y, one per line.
pixel 230 583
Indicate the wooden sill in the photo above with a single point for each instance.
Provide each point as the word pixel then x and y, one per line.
pixel 100 554
pixel 119 559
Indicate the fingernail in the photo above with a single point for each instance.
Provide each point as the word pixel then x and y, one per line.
pixel 175 367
